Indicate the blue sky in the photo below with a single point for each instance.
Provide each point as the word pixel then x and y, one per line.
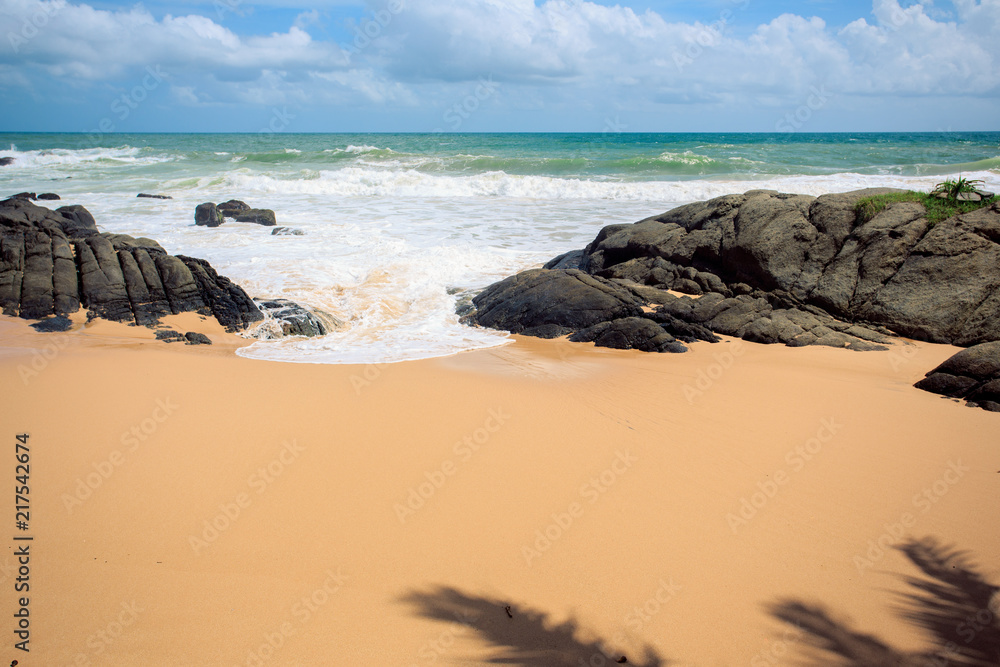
pixel 499 65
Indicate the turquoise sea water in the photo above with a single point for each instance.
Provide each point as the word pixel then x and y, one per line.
pixel 394 223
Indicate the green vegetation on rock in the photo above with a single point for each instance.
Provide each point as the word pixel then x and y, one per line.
pixel 937 209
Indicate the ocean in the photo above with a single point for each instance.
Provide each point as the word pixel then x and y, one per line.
pixel 398 226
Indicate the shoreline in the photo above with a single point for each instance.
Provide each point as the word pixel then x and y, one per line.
pixel 567 481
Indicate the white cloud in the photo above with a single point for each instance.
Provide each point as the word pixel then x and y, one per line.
pixel 80 41
pixel 905 52
pixel 555 52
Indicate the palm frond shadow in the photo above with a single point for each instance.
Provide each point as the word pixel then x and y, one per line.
pixel 952 603
pixel 519 634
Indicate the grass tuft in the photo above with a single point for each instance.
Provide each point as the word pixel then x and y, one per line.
pixel 937 209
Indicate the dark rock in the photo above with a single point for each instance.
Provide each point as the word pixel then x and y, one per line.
pixel 147 307
pixel 947 384
pixel 296 320
pixel 259 216
pixel 286 231
pixel 179 286
pixel 567 260
pixel 683 331
pixel 54 262
pixel 5 161
pixel 553 302
pixel 77 221
pixel 207 215
pixel 225 300
pixel 972 374
pixel 102 284
pixel 53 324
pixel 65 280
pixel 232 207
pixel 146 196
pixel 629 333
pixel 37 291
pixel 170 336
pixel 894 271
pixel 195 338
pixel 25 195
pixel 49 196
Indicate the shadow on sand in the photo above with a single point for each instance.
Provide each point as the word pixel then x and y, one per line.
pixel 519 635
pixel 953 603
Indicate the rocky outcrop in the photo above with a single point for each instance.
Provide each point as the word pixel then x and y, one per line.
pixel 232 207
pixel 792 269
pixel 288 318
pixel 143 195
pixel 549 303
pixel 207 215
pixel 49 196
pixel 286 231
pixel 932 282
pixel 5 161
pixel 210 215
pixel 972 374
pixel 189 338
pixel 55 262
pixel 258 216
pixel 629 333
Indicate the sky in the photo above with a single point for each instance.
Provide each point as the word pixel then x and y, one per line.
pixel 499 66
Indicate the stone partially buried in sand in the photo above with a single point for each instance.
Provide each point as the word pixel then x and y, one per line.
pixel 972 374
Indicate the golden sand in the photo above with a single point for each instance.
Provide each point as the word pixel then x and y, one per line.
pixel 190 507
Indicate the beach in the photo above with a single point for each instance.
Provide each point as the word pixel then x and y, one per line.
pixel 538 333
pixel 189 506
